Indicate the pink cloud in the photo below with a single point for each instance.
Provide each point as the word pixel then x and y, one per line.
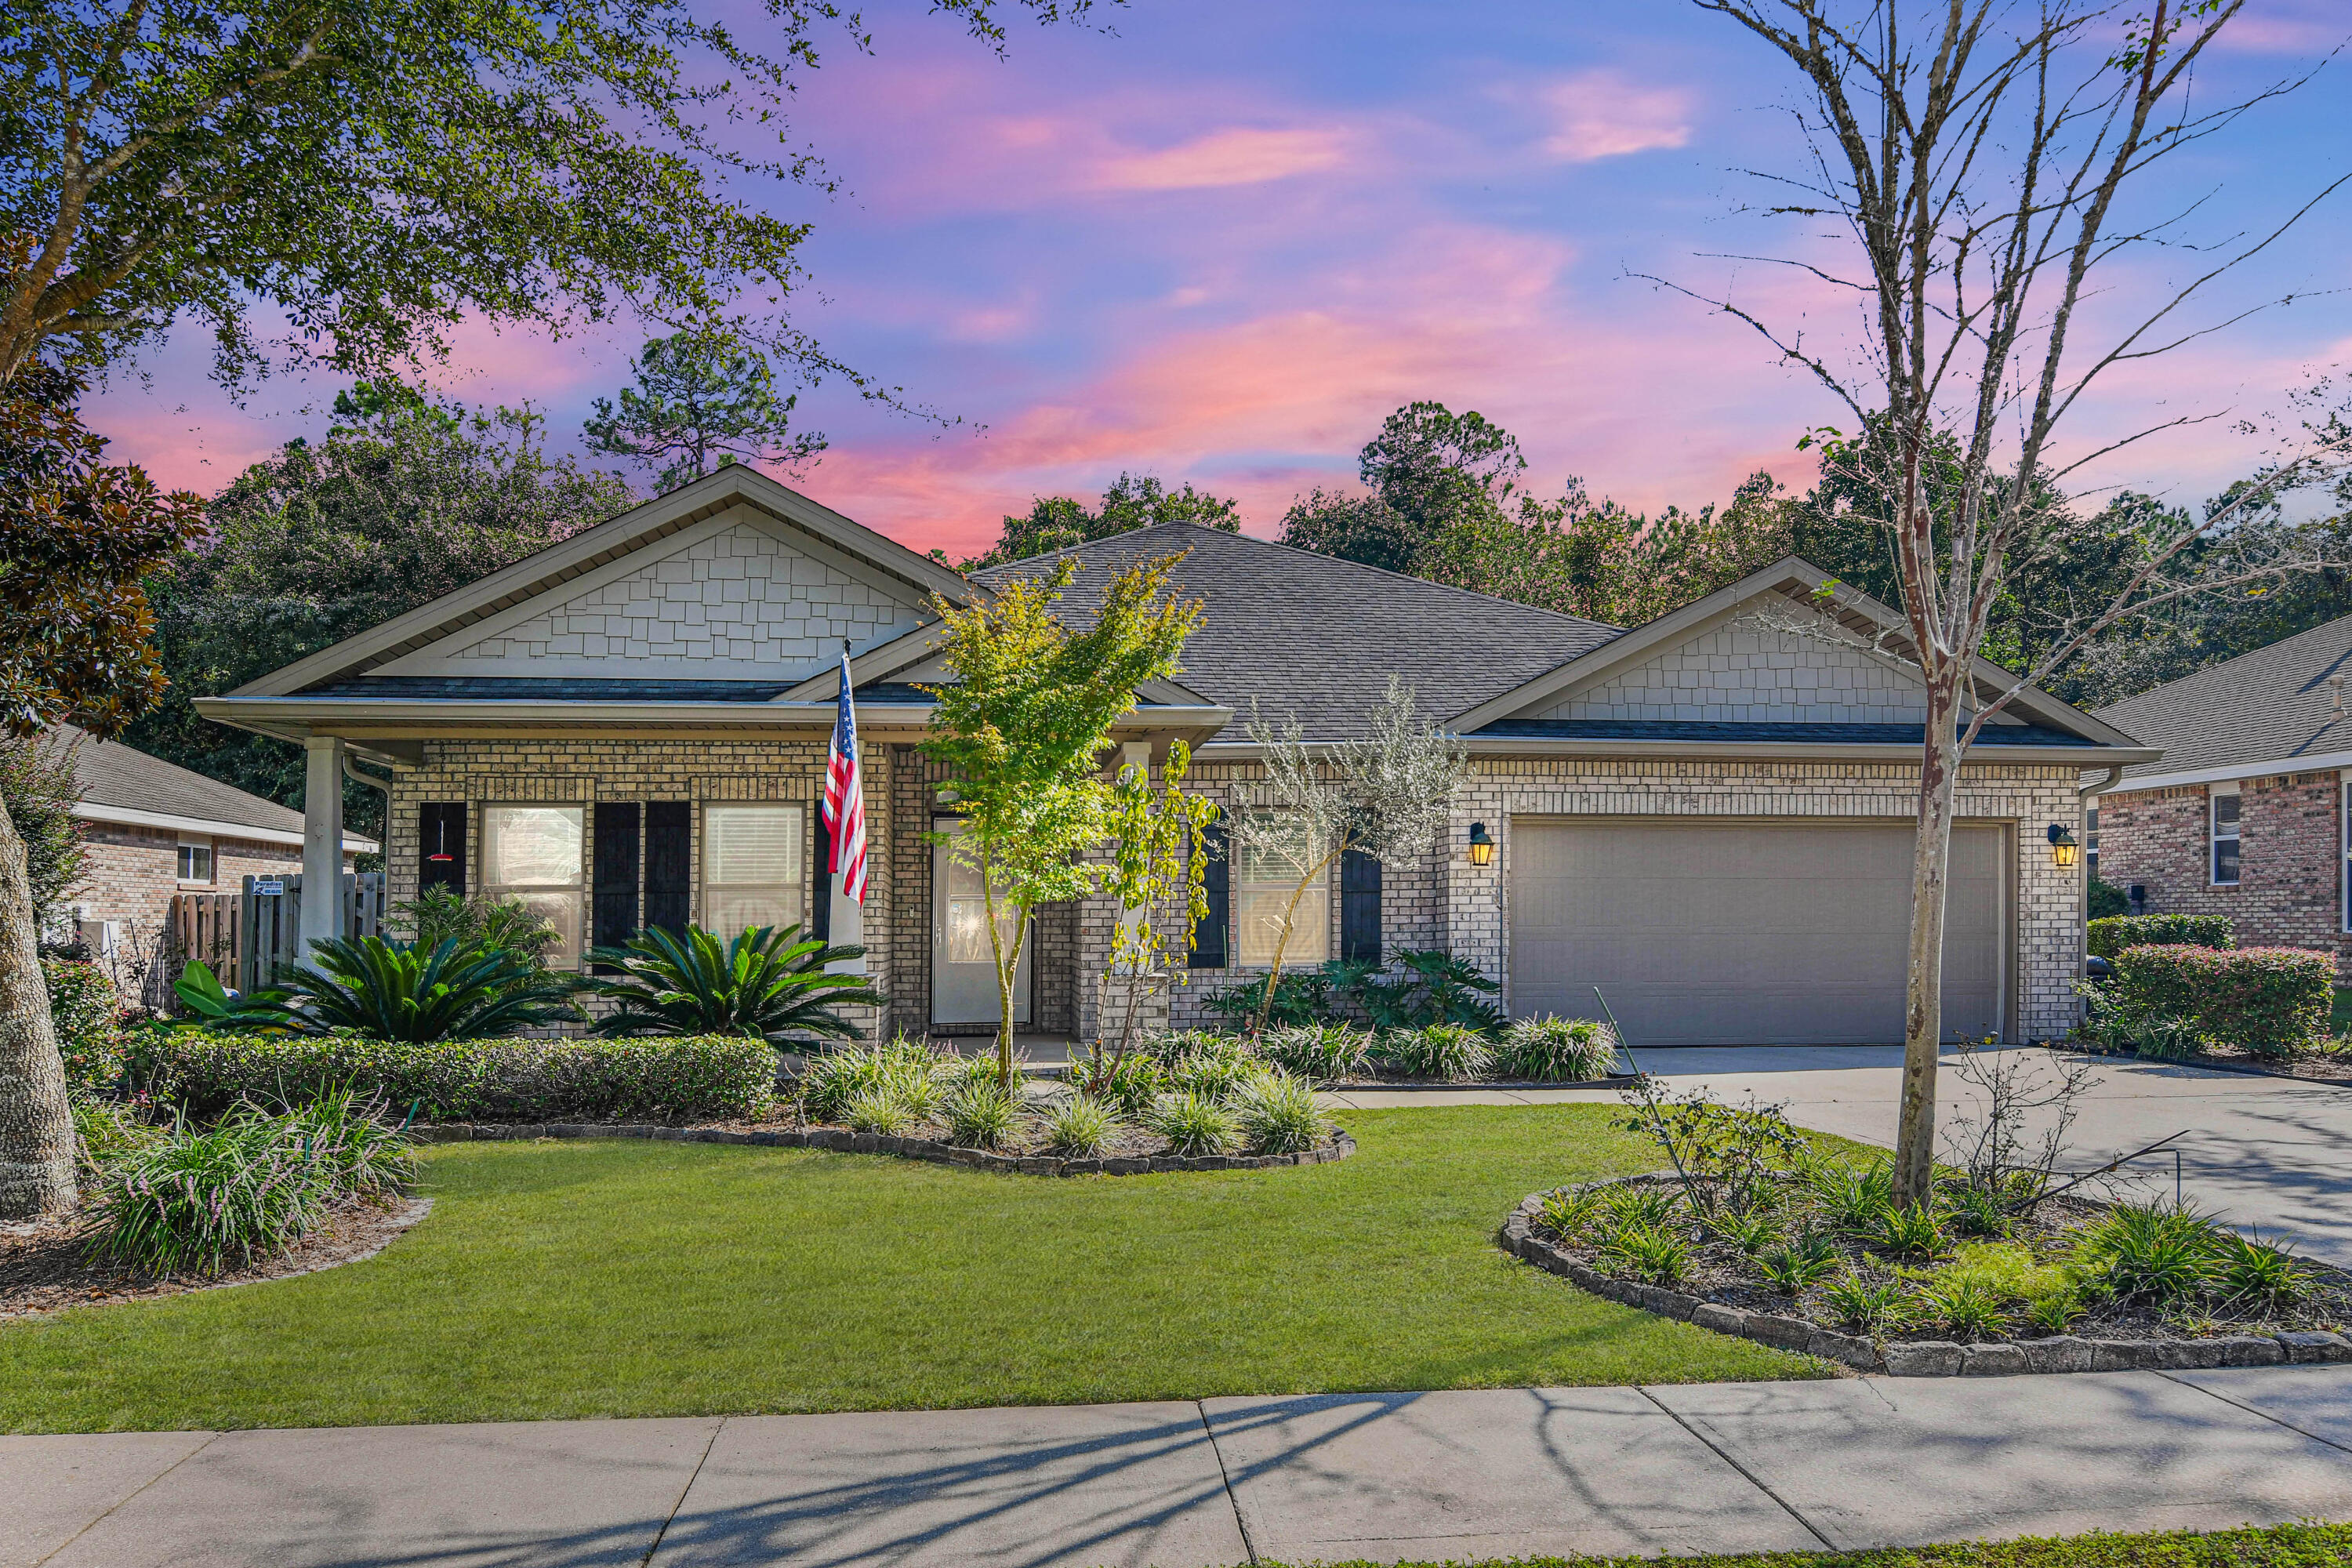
pixel 1599 114
pixel 1237 156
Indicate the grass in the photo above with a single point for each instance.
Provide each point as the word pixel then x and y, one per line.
pixel 565 1279
pixel 2277 1546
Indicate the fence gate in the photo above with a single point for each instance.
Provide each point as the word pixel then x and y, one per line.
pixel 249 938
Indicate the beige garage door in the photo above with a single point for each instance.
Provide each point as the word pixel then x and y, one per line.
pixel 1746 932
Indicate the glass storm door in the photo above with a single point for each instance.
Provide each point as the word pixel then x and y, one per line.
pixel 963 966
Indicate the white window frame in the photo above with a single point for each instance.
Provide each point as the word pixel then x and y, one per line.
pixel 2215 838
pixel 570 895
pixel 180 861
pixel 1310 936
pixel 711 886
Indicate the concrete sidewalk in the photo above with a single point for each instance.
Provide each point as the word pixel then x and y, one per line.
pixel 1723 1467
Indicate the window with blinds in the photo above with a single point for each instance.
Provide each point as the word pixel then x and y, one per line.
pixel 532 853
pixel 752 858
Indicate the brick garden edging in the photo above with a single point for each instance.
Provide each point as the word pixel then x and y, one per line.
pixel 841 1140
pixel 1919 1358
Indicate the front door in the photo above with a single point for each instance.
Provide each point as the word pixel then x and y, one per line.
pixel 964 964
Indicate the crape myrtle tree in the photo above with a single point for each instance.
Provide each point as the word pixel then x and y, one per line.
pixel 377 171
pixel 1158 874
pixel 1977 172
pixel 1386 794
pixel 1023 722
pixel 76 536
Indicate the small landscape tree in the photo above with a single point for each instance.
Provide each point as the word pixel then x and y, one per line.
pixel 1022 724
pixel 1158 866
pixel 1387 795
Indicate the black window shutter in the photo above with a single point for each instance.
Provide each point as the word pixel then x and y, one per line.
pixel 669 863
pixel 1209 938
pixel 441 846
pixel 617 872
pixel 819 925
pixel 1359 906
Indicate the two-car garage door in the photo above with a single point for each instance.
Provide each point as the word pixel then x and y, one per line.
pixel 1745 931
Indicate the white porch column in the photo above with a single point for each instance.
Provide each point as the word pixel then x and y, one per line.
pixel 322 841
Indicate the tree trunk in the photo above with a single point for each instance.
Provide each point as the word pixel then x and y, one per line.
pixel 36 1130
pixel 1923 1022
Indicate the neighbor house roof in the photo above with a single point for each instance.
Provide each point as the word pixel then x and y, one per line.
pixel 120 783
pixel 1316 636
pixel 2270 711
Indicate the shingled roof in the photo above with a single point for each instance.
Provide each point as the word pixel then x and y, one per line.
pixel 2271 706
pixel 1316 636
pixel 112 774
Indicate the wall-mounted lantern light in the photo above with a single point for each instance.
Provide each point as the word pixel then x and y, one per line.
pixel 2062 848
pixel 1482 846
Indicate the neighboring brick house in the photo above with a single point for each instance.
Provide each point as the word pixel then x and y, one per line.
pixel 152 829
pixel 2244 817
pixel 1710 815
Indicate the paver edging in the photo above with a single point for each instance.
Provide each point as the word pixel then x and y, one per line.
pixel 841 1140
pixel 1915 1358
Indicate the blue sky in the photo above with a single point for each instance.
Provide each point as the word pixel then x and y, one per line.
pixel 1219 241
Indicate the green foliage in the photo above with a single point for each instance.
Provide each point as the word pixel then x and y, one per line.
pixel 402 502
pixel 1213 1073
pixel 1566 1214
pixel 1435 988
pixel 1158 876
pixel 2104 900
pixel 82 1011
pixel 1799 1264
pixel 1277 1114
pixel 1020 725
pixel 39 791
pixel 2111 935
pixel 1131 1082
pixel 1328 1053
pixel 1727 1153
pixel 438 915
pixel 200 1202
pixel 1652 1253
pixel 2010 1270
pixel 1973 1210
pixel 1852 1195
pixel 1964 1307
pixel 1556 1050
pixel 106 1131
pixel 205 1002
pixel 983 1112
pixel 703 399
pixel 1080 1127
pixel 390 990
pixel 1132 501
pixel 2250 1274
pixel 1299 999
pixel 877 1111
pixel 204 1074
pixel 900 1067
pixel 2152 1255
pixel 1753 1234
pixel 768 982
pixel 1634 1204
pixel 1456 1053
pixel 2056 1312
pixel 2270 1000
pixel 1865 1306
pixel 1196 1125
pixel 1909 1230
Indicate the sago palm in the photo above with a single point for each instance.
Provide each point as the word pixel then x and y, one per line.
pixel 393 990
pixel 769 982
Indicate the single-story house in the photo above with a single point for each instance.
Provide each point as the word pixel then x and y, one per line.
pixel 2245 813
pixel 1710 815
pixel 153 830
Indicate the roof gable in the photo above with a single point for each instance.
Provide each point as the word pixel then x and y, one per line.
pixel 442 635
pixel 2273 705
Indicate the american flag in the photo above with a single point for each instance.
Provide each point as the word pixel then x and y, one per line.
pixel 844 797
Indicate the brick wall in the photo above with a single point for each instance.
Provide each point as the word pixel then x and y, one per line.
pixel 2290 877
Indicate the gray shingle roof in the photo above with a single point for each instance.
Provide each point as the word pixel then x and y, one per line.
pixel 111 774
pixel 2272 705
pixel 1317 636
pixel 1720 730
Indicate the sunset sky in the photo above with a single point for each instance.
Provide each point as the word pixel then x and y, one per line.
pixel 1221 242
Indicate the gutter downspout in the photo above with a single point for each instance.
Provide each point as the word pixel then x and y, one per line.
pixel 2084 796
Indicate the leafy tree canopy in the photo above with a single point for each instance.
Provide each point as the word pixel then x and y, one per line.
pixel 1132 501
pixel 403 500
pixel 377 171
pixel 702 401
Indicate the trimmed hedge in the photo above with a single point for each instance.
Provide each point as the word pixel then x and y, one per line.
pixel 2112 935
pixel 702 1078
pixel 2273 1000
pixel 82 1009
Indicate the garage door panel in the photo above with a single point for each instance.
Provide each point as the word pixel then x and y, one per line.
pixel 1730 932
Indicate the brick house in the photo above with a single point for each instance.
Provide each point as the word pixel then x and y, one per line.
pixel 151 830
pixel 1708 815
pixel 2245 814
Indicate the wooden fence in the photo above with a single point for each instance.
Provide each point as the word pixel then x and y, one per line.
pixel 249 937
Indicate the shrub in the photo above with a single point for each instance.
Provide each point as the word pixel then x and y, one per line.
pixel 1908 1230
pixel 1454 1052
pixel 767 983
pixel 2111 936
pixel 2150 1253
pixel 1132 1084
pixel 1753 1234
pixel 1628 1205
pixel 389 991
pixel 1976 1211
pixel 1278 1114
pixel 2106 901
pixel 82 1008
pixel 901 1066
pixel 1300 996
pixel 1435 988
pixel 2054 1313
pixel 1325 1052
pixel 203 1201
pixel 1861 1306
pixel 982 1114
pixel 1652 1253
pixel 107 1131
pixel 1194 1125
pixel 437 915
pixel 1215 1074
pixel 1799 1264
pixel 1566 1214
pixel 1080 1128
pixel 1967 1307
pixel 2265 999
pixel 2252 1275
pixel 1556 1050
pixel 880 1110
pixel 205 1074
pixel 1855 1196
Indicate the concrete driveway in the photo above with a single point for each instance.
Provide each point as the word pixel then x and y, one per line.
pixel 2269 1153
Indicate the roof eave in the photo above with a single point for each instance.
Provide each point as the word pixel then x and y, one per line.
pixel 2084 756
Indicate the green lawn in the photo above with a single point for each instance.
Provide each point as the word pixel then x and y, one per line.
pixel 636 1279
pixel 2303 1545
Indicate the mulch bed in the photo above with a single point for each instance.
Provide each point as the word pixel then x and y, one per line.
pixel 42 1269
